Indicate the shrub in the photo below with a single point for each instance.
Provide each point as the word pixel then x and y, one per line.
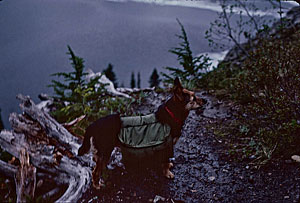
pixel 75 96
pixel 270 86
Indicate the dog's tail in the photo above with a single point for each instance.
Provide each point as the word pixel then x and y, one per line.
pixel 85 147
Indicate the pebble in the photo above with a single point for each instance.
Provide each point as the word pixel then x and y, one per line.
pixel 94 198
pixel 211 178
pixel 288 161
pixel 158 198
pixel 286 197
pixel 296 158
pixel 251 179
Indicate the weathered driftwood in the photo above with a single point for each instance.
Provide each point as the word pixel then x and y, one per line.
pixel 51 148
pixel 25 178
pixel 69 125
pixel 8 169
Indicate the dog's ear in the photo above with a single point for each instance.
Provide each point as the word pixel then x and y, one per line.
pixel 177 83
pixel 177 89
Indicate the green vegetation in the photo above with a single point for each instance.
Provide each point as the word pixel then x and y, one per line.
pixel 264 84
pixel 228 30
pixel 266 91
pixel 74 96
pixel 269 88
pixel 69 90
pixel 191 68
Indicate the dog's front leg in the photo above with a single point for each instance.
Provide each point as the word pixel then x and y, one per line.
pixel 97 182
pixel 166 170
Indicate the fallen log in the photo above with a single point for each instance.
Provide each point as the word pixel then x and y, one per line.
pixel 25 178
pixel 50 148
pixel 8 169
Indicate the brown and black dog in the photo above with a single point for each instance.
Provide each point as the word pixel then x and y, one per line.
pixel 104 132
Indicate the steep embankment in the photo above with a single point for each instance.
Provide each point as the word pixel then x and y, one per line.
pixel 232 65
pixel 290 24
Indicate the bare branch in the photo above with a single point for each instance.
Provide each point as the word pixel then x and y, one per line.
pixel 229 29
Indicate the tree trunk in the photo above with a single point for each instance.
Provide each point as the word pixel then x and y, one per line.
pixel 45 147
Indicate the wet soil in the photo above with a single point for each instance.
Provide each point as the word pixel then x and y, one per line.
pixel 204 171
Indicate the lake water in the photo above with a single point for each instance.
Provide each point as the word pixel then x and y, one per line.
pixel 132 35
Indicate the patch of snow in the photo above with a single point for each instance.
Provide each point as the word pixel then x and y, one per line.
pixel 104 80
pixel 131 90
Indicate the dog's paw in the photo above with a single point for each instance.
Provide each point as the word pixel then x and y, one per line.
pixel 168 174
pixel 98 185
pixel 171 165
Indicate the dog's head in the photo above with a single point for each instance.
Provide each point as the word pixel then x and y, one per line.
pixel 187 97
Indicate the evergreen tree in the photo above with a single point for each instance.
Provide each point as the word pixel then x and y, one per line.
pixel 109 73
pixel 132 81
pixel 191 68
pixel 75 96
pixel 139 80
pixel 154 79
pixel 72 80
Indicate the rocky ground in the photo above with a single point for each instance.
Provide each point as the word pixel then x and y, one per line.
pixel 204 171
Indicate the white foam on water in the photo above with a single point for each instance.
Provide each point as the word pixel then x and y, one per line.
pixel 215 57
pixel 202 4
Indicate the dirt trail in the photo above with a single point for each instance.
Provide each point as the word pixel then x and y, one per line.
pixel 203 172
